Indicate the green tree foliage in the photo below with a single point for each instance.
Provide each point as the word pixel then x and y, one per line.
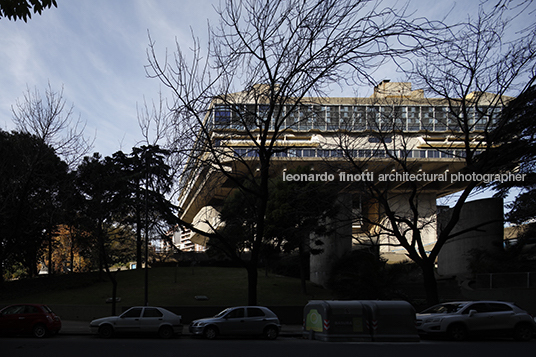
pixel 239 216
pixel 22 9
pixel 32 178
pixel 101 183
pixel 517 147
pixel 360 274
pixel 124 194
pixel 146 185
pixel 517 256
pixel 295 211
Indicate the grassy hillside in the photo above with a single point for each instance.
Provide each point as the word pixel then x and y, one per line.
pixel 167 287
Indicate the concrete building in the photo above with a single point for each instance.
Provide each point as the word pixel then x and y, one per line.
pixel 181 240
pixel 395 125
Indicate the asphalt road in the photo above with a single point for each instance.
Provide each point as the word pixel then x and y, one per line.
pixel 81 346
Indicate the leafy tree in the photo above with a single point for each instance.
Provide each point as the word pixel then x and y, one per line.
pixel 234 238
pixel 101 183
pixel 147 183
pixel 360 274
pixel 123 195
pixel 69 253
pixel 296 211
pixel 32 178
pixel 22 9
pixel 47 118
pixel 518 144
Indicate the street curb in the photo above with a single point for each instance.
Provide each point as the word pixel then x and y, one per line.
pixel 80 328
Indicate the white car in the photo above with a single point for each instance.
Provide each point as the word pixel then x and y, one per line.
pixel 459 320
pixel 139 319
pixel 239 320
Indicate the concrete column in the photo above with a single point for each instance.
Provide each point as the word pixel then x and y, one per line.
pixel 427 222
pixel 336 243
pixel 485 219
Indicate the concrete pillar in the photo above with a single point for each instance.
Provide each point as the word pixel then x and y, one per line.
pixel 427 223
pixel 485 219
pixel 336 243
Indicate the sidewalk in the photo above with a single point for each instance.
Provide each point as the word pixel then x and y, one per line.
pixel 82 328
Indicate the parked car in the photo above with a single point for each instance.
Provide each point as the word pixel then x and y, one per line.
pixel 239 320
pixel 35 319
pixel 139 319
pixel 459 320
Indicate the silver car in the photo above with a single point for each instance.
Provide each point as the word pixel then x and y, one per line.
pixel 459 320
pixel 139 319
pixel 239 320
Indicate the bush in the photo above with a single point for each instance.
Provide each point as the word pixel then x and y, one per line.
pixel 359 274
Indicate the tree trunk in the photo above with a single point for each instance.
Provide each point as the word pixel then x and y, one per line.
pixel 2 286
pixel 50 268
pixel 252 283
pixel 109 274
pixel 303 267
pixel 71 257
pixel 114 292
pixel 139 256
pixel 430 283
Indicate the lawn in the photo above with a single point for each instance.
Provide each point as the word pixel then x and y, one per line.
pixel 167 287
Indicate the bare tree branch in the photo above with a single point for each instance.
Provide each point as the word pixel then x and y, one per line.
pixel 48 118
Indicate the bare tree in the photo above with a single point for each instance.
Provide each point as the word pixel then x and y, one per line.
pixel 48 118
pixel 264 59
pixel 473 71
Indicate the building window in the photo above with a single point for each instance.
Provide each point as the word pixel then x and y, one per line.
pixel 379 153
pixel 222 115
pixel 413 118
pixel 360 118
pixel 447 154
pixel 427 118
pixel 365 153
pixel 406 154
pixel 309 152
pixel 345 113
pixel 441 114
pixel 433 154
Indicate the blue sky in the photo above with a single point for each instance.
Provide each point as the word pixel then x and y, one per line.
pixel 96 51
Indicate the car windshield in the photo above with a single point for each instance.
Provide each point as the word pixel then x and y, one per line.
pixel 448 308
pixel 223 312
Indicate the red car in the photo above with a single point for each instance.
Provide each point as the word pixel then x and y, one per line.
pixel 34 319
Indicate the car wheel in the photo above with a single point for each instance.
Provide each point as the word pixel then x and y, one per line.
pixel 106 331
pixel 270 333
pixel 523 332
pixel 210 333
pixel 39 331
pixel 457 332
pixel 165 332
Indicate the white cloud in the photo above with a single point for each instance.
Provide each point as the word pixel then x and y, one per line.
pixel 96 50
